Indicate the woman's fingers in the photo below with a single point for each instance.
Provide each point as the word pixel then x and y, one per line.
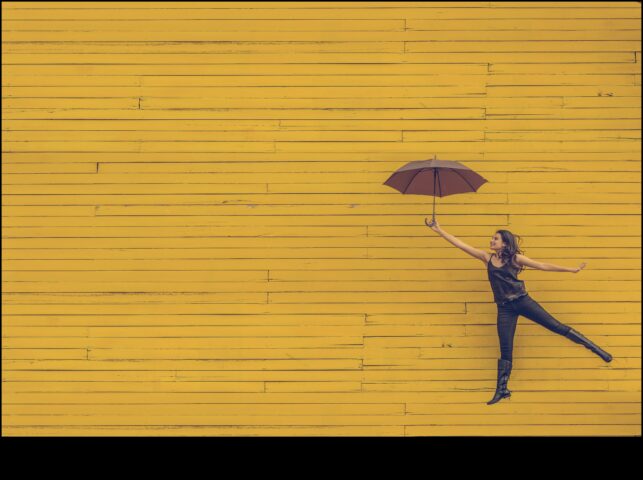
pixel 433 224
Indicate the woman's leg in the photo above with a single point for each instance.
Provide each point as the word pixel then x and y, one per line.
pixel 506 323
pixel 529 308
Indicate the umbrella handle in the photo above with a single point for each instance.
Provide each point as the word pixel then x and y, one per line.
pixel 434 178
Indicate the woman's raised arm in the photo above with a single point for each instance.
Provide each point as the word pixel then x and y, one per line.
pixel 474 252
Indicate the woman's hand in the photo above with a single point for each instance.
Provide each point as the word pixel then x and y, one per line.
pixel 582 265
pixel 434 225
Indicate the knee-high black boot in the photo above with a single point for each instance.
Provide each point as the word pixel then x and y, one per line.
pixel 504 371
pixel 575 336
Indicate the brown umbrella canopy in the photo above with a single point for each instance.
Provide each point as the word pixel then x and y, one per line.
pixel 435 177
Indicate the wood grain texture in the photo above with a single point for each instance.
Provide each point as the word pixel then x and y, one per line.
pixel 197 240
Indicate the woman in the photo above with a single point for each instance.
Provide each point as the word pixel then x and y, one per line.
pixel 512 299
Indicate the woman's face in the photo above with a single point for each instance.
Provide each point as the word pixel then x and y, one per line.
pixel 496 242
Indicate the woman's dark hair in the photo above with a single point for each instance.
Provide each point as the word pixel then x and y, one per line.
pixel 511 247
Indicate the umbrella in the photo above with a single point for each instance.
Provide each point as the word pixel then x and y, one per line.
pixel 435 177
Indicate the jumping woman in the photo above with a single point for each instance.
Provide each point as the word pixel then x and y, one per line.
pixel 512 299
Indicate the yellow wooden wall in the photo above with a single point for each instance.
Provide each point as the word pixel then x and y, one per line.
pixel 197 240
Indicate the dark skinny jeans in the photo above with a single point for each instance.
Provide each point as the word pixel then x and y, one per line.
pixel 529 308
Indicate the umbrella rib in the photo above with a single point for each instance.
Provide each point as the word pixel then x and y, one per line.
pixel 463 178
pixel 409 184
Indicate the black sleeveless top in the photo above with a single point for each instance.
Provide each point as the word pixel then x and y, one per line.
pixel 504 282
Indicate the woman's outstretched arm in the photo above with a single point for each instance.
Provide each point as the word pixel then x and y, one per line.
pixel 474 252
pixel 548 267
